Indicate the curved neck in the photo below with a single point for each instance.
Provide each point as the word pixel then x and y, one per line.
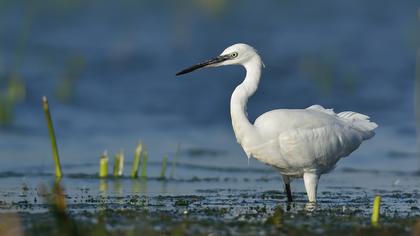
pixel 239 99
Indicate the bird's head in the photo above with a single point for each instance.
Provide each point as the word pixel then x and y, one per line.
pixel 237 54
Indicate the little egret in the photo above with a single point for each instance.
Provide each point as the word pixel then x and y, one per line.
pixel 297 142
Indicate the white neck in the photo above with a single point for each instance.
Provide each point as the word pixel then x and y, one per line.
pixel 241 125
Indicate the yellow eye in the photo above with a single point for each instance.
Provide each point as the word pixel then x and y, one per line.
pixel 234 54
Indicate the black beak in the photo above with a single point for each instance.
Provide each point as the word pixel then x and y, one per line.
pixel 204 64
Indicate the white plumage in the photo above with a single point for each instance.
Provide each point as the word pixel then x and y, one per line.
pixel 298 142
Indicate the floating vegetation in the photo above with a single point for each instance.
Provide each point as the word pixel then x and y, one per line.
pixel 103 165
pixel 136 161
pixel 119 164
pixel 54 148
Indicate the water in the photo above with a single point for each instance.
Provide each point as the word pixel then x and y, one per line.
pixel 108 70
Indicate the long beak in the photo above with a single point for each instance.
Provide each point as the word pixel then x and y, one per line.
pixel 204 64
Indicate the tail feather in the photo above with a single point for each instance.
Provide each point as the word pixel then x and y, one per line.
pixel 360 122
pixel 353 115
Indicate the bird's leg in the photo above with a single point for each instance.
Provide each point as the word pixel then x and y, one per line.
pixel 311 183
pixel 286 180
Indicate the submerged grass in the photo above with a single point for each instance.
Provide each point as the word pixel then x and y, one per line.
pixel 54 148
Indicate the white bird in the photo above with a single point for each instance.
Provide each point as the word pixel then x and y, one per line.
pixel 297 142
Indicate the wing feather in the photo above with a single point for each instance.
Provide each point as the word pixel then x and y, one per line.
pixel 320 146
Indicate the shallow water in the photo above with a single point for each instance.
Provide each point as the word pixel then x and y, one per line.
pixel 217 205
pixel 116 63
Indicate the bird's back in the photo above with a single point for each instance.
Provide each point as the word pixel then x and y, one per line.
pixel 314 137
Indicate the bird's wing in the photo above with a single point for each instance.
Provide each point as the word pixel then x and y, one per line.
pixel 322 145
pixel 322 109
pixel 355 120
pixel 315 134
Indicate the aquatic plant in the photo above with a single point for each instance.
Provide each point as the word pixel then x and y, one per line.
pixel 16 90
pixel 376 211
pixel 119 164
pixel 103 165
pixel 54 148
pixel 14 93
pixel 56 201
pixel 136 161
pixel 163 168
pixel 144 164
pixel 66 87
pixel 277 218
pixel 6 111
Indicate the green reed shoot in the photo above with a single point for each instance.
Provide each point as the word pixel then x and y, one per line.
pixel 376 211
pixel 6 111
pixel 16 90
pixel 136 161
pixel 58 172
pixel 144 164
pixel 14 93
pixel 163 168
pixel 119 164
pixel 66 87
pixel 174 160
pixel 103 165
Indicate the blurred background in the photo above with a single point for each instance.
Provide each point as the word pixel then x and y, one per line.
pixel 108 69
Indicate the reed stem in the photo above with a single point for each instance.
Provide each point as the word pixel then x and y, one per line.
pixel 144 164
pixel 58 172
pixel 163 168
pixel 119 164
pixel 103 165
pixel 136 161
pixel 58 197
pixel 376 211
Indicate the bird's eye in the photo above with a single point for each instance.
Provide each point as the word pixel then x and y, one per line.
pixel 234 54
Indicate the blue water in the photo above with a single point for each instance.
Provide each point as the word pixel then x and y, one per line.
pixel 347 55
